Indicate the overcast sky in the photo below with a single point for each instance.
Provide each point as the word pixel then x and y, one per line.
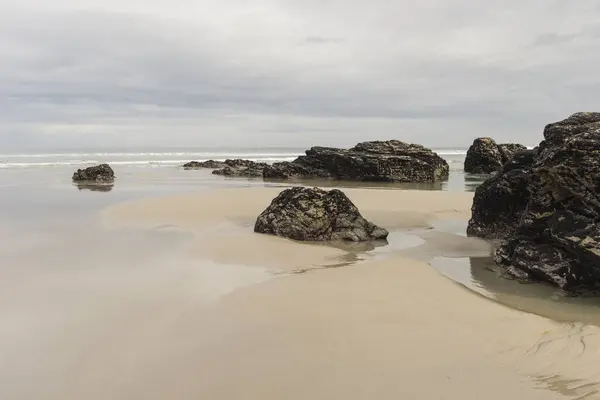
pixel 292 72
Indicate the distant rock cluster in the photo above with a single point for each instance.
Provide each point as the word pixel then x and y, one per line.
pixel 378 161
pixel 544 205
pixel 485 156
pixel 241 168
pixel 210 164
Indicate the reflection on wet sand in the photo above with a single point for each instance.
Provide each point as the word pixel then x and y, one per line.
pixel 95 187
pixel 482 275
pixel 357 184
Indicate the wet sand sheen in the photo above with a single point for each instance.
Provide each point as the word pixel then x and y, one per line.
pixel 383 329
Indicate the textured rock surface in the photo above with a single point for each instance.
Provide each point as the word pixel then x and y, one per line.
pixel 102 173
pixel 381 161
pixel 486 156
pixel 312 214
pixel 509 150
pixel 556 236
pixel 241 168
pixel 500 201
pixel 210 164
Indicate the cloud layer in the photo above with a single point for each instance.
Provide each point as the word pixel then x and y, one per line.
pixel 283 72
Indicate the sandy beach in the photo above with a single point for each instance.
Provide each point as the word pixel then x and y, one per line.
pixel 390 327
pixel 175 297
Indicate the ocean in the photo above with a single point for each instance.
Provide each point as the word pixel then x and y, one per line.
pixel 163 167
pixel 170 157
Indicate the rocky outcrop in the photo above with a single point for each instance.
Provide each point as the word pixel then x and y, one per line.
pixel 102 173
pixel 486 156
pixel 210 164
pixel 379 161
pixel 241 168
pixel 551 229
pixel 312 214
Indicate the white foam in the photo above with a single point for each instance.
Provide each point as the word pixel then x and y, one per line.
pixel 203 155
pixel 9 165
pixel 150 158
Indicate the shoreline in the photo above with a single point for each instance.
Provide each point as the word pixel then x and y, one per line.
pixel 369 322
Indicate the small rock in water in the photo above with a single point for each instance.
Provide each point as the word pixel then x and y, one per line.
pixel 102 173
pixel 313 214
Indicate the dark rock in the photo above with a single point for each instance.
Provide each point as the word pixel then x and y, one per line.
pixel 508 150
pixel 379 161
pixel 239 163
pixel 210 164
pixel 313 214
pixel 485 156
pixel 241 169
pixel 102 173
pixel 552 226
pixel 296 169
pixel 500 201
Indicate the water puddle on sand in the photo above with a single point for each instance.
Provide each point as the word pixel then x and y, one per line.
pixel 483 276
pixel 468 261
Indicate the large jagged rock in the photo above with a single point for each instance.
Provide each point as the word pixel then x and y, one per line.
pixel 241 168
pixel 209 164
pixel 102 173
pixel 556 237
pixel 313 214
pixel 380 161
pixel 486 156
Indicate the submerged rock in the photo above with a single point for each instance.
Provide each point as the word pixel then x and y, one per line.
pixel 241 168
pixel 486 156
pixel 380 161
pixel 547 209
pixel 313 214
pixel 210 164
pixel 102 173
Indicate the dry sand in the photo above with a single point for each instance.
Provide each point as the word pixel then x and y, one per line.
pixel 390 328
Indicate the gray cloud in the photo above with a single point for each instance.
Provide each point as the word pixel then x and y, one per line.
pixel 322 40
pixel 198 73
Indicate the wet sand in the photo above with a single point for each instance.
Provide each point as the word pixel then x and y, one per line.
pixel 384 328
pixel 224 313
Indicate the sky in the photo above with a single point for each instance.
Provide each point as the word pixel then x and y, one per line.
pixel 134 73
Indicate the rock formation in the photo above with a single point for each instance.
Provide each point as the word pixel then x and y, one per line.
pixel 210 164
pixel 486 156
pixel 312 214
pixel 380 161
pixel 241 168
pixel 546 207
pixel 500 201
pixel 102 173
